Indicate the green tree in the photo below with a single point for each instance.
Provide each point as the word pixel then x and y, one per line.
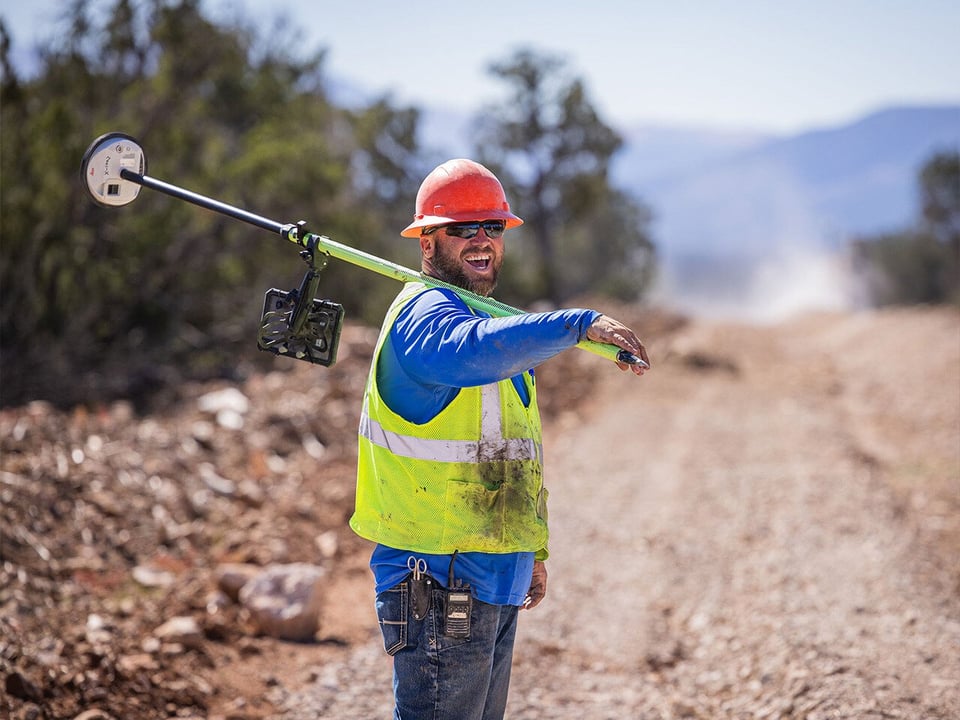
pixel 385 161
pixel 940 203
pixel 99 302
pixel 920 264
pixel 553 153
pixel 940 196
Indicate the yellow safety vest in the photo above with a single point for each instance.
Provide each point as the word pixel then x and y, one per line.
pixel 470 479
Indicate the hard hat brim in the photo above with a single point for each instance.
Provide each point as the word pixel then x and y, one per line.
pixel 420 222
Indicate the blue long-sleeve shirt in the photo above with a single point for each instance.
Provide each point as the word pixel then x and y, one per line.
pixel 436 347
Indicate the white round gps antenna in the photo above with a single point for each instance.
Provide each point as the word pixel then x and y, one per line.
pixel 102 164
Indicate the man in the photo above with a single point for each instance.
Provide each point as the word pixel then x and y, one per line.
pixel 449 481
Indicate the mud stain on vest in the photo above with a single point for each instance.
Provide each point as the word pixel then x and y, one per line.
pixel 507 508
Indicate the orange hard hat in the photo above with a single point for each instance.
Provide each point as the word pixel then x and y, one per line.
pixel 459 191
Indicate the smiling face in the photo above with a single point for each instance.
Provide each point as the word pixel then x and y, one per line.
pixel 473 264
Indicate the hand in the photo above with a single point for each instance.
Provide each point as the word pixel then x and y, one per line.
pixel 607 330
pixel 538 586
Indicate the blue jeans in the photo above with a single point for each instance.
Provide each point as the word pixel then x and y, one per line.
pixel 436 677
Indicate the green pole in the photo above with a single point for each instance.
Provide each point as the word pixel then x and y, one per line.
pixel 390 269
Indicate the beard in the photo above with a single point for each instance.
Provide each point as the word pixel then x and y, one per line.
pixel 452 269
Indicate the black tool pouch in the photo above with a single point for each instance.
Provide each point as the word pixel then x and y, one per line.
pixel 421 591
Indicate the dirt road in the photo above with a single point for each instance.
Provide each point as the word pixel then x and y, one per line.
pixel 766 526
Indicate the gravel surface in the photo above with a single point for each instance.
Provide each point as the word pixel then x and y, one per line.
pixel 767 525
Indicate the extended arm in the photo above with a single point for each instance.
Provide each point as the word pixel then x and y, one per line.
pixel 439 341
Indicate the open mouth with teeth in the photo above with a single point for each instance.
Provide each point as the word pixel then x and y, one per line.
pixel 478 261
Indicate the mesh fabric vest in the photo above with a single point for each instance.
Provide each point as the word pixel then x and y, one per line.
pixel 470 479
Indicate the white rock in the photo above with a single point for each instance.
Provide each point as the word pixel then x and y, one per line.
pixel 230 419
pixel 151 577
pixel 97 632
pixel 327 543
pixel 94 714
pixel 229 399
pixel 213 480
pixel 182 630
pixel 285 600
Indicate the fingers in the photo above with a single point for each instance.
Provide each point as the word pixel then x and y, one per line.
pixel 538 587
pixel 607 330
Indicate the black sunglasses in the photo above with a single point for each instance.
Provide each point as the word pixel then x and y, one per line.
pixel 467 230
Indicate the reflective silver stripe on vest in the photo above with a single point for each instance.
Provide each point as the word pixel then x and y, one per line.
pixel 492 446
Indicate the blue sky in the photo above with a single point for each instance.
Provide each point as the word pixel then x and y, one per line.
pixel 778 67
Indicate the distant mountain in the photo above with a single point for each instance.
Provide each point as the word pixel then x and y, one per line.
pixel 735 226
pixel 654 153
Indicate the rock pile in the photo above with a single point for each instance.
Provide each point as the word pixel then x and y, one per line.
pixel 135 550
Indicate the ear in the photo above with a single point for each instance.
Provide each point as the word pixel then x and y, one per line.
pixel 426 245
